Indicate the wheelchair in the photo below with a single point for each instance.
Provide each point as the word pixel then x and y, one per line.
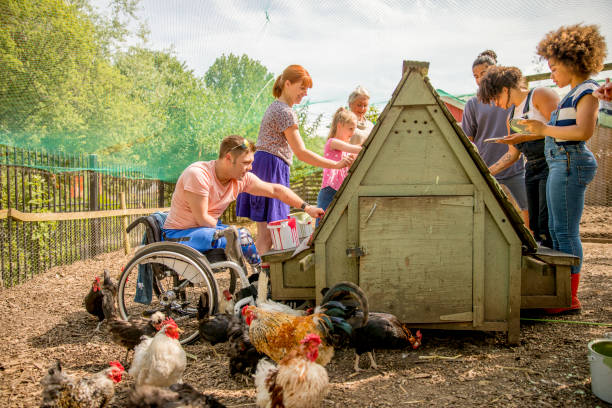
pixel 178 277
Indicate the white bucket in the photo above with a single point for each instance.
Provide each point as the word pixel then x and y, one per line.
pixel 284 234
pixel 600 359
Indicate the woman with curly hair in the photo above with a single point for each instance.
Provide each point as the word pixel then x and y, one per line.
pixel 574 54
pixel 482 121
pixel 506 87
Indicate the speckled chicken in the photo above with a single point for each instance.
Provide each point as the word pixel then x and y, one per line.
pixel 61 390
pixel 177 396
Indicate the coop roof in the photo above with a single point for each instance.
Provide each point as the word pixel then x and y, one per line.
pixel 432 98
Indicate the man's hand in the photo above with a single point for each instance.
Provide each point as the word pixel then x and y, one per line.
pixel 604 92
pixel 314 212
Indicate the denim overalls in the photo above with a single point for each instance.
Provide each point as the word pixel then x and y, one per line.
pixel 571 166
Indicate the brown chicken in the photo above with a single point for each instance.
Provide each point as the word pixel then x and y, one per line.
pixel 276 333
pixel 297 382
pixel 126 333
pixel 93 301
pixel 63 390
pixel 178 395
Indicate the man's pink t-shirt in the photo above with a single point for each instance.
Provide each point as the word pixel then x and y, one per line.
pixel 200 178
pixel 333 177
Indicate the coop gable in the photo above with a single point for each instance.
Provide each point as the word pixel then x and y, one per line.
pixel 416 147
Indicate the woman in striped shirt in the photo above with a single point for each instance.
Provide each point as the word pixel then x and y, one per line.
pixel 574 54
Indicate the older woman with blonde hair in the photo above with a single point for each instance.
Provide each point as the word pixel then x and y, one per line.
pixel 359 101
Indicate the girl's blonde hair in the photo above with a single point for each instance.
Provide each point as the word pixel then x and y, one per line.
pixel 343 116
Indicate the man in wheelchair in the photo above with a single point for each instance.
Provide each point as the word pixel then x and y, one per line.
pixel 205 189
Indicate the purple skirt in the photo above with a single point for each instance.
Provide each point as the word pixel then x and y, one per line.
pixel 272 169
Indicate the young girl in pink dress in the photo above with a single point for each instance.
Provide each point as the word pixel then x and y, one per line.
pixel 337 147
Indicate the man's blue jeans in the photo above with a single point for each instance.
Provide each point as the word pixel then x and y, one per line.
pixel 570 169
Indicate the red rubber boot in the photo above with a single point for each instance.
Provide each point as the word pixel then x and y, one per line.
pixel 575 306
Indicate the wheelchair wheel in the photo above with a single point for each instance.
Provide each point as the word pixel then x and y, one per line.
pixel 179 276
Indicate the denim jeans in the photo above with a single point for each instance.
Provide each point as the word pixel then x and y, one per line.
pixel 570 169
pixel 536 173
pixel 325 197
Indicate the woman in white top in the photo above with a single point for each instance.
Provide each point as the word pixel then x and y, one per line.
pixel 359 101
pixel 505 86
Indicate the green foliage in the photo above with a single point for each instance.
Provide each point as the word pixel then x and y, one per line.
pixel 312 141
pixel 69 84
pixel 372 114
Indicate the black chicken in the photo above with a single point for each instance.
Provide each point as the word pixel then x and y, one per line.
pixel 382 331
pixel 243 355
pixel 93 301
pixel 178 395
pixel 212 328
pixel 126 333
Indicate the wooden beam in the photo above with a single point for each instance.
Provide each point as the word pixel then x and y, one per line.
pixel 82 215
pixel 546 75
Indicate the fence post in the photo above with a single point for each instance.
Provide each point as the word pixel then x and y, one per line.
pixel 126 238
pixel 94 204
pixel 160 197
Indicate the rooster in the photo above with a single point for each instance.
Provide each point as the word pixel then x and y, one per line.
pixel 297 382
pixel 93 301
pixel 126 333
pixel 276 333
pixel 64 390
pixel 178 395
pixel 159 361
pixel 382 331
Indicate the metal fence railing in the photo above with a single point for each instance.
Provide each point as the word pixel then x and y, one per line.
pixel 33 182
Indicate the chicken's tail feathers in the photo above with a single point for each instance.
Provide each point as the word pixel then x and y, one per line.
pixel 203 307
pixel 343 300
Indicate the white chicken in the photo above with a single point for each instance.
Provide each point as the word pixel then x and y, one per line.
pixel 160 360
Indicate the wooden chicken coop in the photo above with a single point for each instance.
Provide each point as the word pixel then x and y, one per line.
pixel 425 230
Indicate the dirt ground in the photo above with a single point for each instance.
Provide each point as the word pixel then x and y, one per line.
pixel 43 320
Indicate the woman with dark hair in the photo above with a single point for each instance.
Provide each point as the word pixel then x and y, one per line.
pixel 574 54
pixel 506 87
pixel 483 121
pixel 278 139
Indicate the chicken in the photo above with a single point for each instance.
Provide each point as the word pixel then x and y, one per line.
pixel 263 301
pixel 243 356
pixel 64 390
pixel 276 333
pixel 126 333
pixel 212 328
pixel 161 360
pixel 178 395
pixel 93 301
pixel 297 382
pixel 382 331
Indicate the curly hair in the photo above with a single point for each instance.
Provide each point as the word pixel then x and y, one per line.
pixel 487 57
pixel 495 79
pixel 580 47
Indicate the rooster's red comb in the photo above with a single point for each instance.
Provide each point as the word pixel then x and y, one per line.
pixel 169 322
pixel 117 364
pixel 97 278
pixel 244 310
